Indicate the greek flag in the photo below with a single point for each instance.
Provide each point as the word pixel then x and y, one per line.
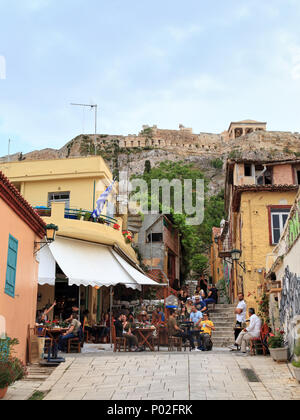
pixel 102 200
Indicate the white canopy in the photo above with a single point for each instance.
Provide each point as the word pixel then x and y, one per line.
pixel 47 267
pixel 89 264
pixel 139 277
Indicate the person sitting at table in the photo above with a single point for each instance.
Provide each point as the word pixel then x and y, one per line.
pixel 175 331
pixel 206 326
pixel 72 332
pixel 75 310
pixel 189 306
pixel 143 317
pixel 47 309
pixel 123 330
pixel 200 304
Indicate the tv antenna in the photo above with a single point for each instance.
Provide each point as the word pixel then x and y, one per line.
pixel 95 107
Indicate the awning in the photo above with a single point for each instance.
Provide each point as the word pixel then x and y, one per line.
pixel 140 278
pixel 89 264
pixel 47 267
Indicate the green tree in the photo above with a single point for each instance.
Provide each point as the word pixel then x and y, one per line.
pixel 195 240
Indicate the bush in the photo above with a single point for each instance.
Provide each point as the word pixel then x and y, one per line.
pixel 11 371
pixel 217 163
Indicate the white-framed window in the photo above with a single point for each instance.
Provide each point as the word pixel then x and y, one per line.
pixel 59 197
pixel 278 220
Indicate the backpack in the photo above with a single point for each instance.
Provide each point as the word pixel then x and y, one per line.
pixel 207 343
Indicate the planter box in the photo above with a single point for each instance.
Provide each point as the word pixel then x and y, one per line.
pixel 297 373
pixel 280 354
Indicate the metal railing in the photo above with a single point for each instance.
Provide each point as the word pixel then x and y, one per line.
pixel 75 214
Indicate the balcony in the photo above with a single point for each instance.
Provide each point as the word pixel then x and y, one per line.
pixel 75 214
pixel 78 224
pixel 225 247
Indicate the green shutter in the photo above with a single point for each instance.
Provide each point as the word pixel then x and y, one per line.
pixel 11 268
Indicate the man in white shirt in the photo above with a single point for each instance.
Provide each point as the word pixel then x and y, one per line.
pixel 253 331
pixel 240 314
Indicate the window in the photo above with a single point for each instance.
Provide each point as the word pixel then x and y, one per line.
pixel 264 176
pixel 59 197
pixel 278 220
pixel 155 237
pixel 11 267
pixel 248 170
pixel 298 177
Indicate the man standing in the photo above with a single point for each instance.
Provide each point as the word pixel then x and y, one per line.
pixel 240 313
pixel 253 331
pixel 195 317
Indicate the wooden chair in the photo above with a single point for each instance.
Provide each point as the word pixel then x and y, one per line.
pixel 257 343
pixel 119 342
pixel 42 333
pixel 75 343
pixel 174 342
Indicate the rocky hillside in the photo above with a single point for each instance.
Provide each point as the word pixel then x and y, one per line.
pixel 209 157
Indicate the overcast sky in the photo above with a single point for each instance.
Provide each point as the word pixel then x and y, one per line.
pixel 164 62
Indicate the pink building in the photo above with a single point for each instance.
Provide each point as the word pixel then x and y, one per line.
pixel 20 228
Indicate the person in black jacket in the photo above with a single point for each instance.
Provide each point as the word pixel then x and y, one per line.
pixel 123 330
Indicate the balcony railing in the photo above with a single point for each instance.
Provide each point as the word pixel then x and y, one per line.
pixel 225 247
pixel 76 214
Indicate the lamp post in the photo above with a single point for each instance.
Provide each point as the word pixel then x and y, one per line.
pixel 236 256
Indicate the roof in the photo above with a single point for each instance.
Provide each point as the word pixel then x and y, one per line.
pixel 157 275
pixel 20 206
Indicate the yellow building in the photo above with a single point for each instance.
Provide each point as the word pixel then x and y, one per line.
pixel 64 192
pixel 216 263
pixel 258 198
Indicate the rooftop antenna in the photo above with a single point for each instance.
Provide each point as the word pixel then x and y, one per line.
pixel 8 154
pixel 95 106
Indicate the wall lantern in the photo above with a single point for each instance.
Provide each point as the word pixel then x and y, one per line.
pixel 236 256
pixel 50 234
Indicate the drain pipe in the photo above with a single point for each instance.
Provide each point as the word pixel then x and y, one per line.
pixel 261 174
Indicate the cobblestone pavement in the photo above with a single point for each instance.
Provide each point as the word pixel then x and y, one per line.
pixel 176 376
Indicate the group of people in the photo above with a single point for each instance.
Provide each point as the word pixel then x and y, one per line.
pixel 191 321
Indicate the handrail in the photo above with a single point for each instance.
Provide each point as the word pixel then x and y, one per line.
pixel 76 214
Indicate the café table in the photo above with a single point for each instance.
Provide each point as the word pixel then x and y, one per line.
pixel 144 336
pixel 98 331
pixel 54 334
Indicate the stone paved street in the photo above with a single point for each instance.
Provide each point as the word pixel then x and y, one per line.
pixel 176 376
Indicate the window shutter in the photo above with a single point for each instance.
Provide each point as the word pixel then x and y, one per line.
pixel 11 268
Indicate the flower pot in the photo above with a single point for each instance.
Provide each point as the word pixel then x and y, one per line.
pixel 3 392
pixel 297 373
pixel 279 354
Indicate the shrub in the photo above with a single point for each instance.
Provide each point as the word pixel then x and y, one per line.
pixel 217 163
pixel 297 349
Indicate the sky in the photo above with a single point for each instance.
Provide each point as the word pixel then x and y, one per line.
pixel 165 62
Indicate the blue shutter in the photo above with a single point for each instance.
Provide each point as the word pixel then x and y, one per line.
pixel 11 268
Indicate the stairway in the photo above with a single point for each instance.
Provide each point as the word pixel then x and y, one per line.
pixel 134 223
pixel 223 318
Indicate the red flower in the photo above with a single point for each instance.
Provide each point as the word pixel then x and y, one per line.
pixel 116 226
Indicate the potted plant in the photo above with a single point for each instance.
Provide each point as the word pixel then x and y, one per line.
pixel 116 226
pixel 277 348
pixel 11 368
pixel 128 236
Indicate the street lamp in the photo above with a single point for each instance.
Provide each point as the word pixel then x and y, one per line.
pixel 50 234
pixel 236 256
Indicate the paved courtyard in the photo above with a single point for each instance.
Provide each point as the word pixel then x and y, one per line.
pixel 175 376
